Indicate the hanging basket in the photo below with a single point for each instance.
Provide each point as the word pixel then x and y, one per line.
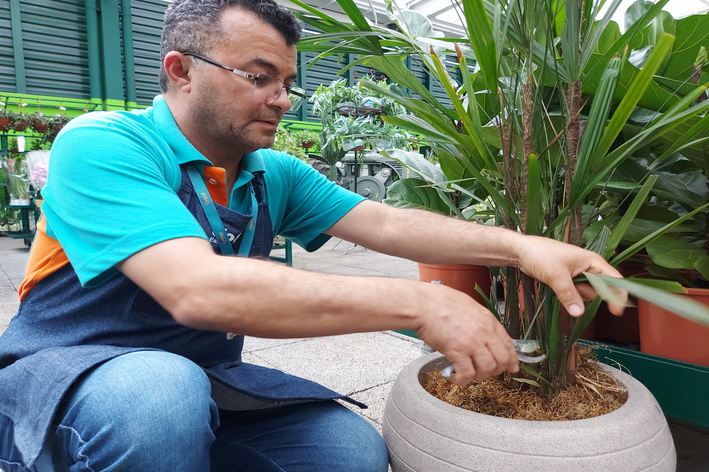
pixel 20 125
pixel 4 124
pixel 39 126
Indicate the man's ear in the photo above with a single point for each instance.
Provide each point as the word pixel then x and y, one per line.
pixel 178 69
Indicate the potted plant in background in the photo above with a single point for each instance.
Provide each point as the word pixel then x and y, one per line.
pixel 5 118
pixel 544 73
pixel 20 121
pixel 39 122
pixel 285 142
pixel 308 139
pixel 16 177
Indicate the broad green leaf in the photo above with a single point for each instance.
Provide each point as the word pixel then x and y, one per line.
pixel 677 304
pixel 647 240
pixel 594 71
pixel 692 33
pixel 674 253
pixel 665 273
pixel 415 193
pixel 418 164
pixel 702 265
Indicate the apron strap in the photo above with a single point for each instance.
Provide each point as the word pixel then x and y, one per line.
pixel 215 221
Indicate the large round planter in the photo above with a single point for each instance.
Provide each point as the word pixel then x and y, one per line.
pixel 425 434
pixel 462 277
pixel 667 335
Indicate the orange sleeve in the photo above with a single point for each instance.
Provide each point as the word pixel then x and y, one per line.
pixel 46 257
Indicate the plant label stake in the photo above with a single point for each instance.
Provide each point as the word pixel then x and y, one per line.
pixel 522 346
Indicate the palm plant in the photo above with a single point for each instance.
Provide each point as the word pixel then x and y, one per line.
pixel 533 132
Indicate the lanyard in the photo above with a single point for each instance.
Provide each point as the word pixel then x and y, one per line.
pixel 215 221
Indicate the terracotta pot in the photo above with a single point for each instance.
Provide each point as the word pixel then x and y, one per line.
pixel 4 124
pixel 308 145
pixel 667 335
pixel 425 434
pixel 39 127
pixel 20 125
pixel 462 277
pixel 57 127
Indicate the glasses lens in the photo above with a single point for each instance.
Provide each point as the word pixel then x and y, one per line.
pixel 296 98
pixel 267 88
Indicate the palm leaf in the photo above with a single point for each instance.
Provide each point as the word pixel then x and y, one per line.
pixel 681 306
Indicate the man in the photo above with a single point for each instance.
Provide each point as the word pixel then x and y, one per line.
pixel 125 354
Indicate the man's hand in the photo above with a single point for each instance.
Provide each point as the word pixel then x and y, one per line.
pixel 466 333
pixel 556 264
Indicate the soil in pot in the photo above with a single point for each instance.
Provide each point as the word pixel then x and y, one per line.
pixel 595 393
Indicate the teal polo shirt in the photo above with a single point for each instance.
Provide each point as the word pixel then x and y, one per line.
pixel 112 190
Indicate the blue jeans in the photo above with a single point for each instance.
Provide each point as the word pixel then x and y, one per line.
pixel 152 411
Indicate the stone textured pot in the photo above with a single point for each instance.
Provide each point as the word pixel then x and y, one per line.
pixel 425 434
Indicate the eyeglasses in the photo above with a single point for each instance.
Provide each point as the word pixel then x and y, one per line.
pixel 266 89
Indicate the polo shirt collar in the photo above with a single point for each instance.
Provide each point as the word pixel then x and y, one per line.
pixel 184 150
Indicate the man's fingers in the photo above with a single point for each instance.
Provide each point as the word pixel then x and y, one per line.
pixel 464 371
pixel 586 291
pixel 565 289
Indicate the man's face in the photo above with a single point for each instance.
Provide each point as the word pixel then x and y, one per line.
pixel 221 102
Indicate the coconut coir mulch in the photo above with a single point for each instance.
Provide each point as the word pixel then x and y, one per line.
pixel 595 393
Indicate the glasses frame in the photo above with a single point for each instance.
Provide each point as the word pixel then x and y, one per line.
pixel 290 90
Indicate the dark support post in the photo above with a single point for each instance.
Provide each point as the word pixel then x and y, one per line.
pixel 407 64
pixel 303 81
pixel 17 46
pixel 92 41
pixel 128 58
pixel 111 55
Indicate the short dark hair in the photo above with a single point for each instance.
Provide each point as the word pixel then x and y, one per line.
pixel 195 25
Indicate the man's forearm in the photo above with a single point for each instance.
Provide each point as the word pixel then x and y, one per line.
pixel 428 237
pixel 206 291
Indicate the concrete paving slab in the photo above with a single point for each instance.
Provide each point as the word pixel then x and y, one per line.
pixel 254 344
pixel 347 364
pixel 375 398
pixel 253 358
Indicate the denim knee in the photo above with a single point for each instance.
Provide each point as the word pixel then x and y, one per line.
pixel 147 410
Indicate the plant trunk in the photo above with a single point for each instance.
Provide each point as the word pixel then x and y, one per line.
pixel 333 173
pixel 512 303
pixel 528 113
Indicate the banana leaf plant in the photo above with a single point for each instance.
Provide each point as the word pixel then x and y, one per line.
pixel 537 127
